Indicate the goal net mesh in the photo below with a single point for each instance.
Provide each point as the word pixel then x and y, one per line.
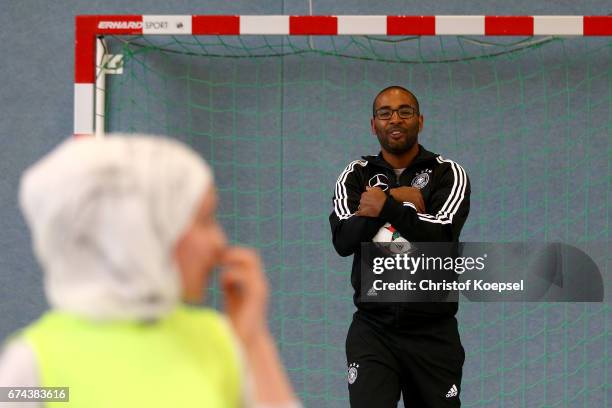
pixel 279 117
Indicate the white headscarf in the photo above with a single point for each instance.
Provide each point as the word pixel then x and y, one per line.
pixel 105 215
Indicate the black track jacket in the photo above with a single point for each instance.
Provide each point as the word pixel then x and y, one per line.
pixel 446 192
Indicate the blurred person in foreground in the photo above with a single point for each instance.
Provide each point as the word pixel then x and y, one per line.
pixel 125 230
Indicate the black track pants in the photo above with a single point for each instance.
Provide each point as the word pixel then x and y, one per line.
pixel 424 363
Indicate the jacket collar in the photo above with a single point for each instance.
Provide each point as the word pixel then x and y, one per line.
pixel 422 156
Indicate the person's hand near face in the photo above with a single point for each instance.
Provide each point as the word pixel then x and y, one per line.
pixel 201 248
pixel 246 292
pixel 204 246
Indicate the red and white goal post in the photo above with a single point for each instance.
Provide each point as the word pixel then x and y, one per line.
pixel 89 87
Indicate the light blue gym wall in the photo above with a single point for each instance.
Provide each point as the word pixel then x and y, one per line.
pixel 36 48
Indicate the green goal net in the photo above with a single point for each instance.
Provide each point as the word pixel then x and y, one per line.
pixel 279 117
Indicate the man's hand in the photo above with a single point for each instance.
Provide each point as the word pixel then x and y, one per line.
pixel 371 203
pixel 409 194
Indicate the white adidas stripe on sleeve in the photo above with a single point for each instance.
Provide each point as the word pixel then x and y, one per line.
pixel 341 197
pixel 455 198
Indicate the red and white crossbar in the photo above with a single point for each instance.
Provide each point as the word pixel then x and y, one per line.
pixel 90 27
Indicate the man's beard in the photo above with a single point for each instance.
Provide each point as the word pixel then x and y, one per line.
pixel 397 147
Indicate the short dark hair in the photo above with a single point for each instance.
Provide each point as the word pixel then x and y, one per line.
pixel 401 88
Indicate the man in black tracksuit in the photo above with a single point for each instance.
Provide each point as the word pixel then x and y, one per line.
pixel 408 348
